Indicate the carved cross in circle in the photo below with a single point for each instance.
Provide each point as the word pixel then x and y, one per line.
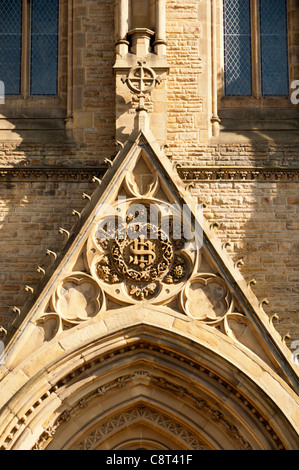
pixel 141 79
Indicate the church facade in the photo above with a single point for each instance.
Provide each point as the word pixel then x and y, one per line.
pixel 149 225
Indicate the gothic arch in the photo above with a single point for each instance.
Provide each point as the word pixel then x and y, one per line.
pixel 145 369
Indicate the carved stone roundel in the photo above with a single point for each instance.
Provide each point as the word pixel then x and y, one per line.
pixel 142 256
pixel 141 78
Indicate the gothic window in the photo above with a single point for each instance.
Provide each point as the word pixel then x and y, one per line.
pixel 255 48
pixel 29 47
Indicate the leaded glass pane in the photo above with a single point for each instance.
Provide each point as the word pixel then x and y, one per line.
pixel 11 45
pixel 237 47
pixel 274 47
pixel 44 47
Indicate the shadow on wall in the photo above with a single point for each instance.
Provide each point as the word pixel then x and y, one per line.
pixel 34 204
pixel 43 173
pixel 258 209
pixel 258 214
pixel 42 183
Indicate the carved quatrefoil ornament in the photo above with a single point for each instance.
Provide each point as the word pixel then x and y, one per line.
pixel 77 298
pixel 205 297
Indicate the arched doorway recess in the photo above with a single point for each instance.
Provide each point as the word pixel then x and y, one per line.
pixel 148 386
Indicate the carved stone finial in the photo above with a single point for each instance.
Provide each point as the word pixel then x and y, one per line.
pixel 264 302
pixel 118 143
pixel 16 310
pixel 3 331
pixel 286 337
pixel 141 79
pixel 226 245
pixel 274 317
pixel 108 161
pixel 239 263
pixel 188 186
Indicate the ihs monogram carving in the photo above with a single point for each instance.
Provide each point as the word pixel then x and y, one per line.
pixel 143 251
pixel 142 256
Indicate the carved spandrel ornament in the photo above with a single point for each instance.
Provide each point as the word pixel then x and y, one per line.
pixel 77 299
pixel 140 250
pixel 143 246
pixel 141 253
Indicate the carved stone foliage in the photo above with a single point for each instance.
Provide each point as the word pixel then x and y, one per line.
pixel 140 413
pixel 187 173
pixel 136 414
pixel 234 173
pixel 139 251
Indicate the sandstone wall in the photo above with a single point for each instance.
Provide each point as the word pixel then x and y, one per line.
pixel 258 216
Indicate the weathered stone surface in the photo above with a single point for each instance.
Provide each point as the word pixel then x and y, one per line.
pixel 189 343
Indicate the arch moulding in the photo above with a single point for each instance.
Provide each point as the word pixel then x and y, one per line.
pixel 171 383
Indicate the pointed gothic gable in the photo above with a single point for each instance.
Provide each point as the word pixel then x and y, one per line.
pixel 130 271
pixel 119 257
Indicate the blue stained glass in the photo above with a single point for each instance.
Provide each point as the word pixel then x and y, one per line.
pixel 237 47
pixel 44 47
pixel 11 45
pixel 274 47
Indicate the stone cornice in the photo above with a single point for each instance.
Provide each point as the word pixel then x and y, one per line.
pixel 187 173
pixel 237 173
pixel 51 173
